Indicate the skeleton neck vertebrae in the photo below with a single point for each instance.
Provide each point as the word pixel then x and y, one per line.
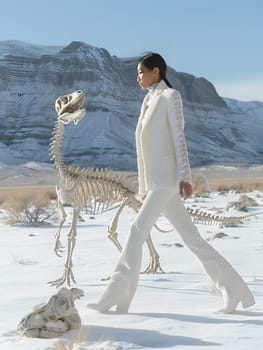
pixel 55 148
pixel 68 109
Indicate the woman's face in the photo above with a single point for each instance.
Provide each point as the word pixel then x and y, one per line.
pixel 146 77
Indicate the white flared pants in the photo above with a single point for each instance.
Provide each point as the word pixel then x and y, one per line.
pixel 165 201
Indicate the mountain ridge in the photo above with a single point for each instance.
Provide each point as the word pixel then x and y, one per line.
pixel 217 129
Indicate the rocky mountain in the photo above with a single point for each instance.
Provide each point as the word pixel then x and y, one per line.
pixel 31 78
pixel 20 48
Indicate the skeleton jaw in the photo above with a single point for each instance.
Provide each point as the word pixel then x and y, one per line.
pixel 68 107
pixel 75 117
pixel 76 293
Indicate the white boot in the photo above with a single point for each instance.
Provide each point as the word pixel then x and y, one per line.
pixel 226 279
pixel 232 300
pixel 124 280
pixel 116 294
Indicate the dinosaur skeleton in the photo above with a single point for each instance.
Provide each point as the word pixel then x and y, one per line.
pixel 99 190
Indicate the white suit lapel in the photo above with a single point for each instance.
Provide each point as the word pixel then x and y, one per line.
pixel 147 113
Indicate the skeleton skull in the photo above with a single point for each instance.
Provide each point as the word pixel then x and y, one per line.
pixel 68 107
pixel 54 318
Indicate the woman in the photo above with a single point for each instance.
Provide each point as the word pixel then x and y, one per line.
pixel 164 175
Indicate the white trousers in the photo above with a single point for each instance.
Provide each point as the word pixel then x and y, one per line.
pixel 124 280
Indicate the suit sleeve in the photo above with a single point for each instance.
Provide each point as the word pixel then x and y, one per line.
pixel 176 121
pixel 140 164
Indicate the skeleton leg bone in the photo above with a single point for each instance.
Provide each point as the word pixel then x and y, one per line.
pixel 58 245
pixel 112 227
pixel 68 276
pixel 154 264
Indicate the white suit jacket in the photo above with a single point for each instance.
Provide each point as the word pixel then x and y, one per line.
pixel 162 156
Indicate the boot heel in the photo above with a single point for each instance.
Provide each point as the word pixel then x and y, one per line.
pixel 247 302
pixel 121 307
pixel 117 294
pixel 99 307
pixel 231 302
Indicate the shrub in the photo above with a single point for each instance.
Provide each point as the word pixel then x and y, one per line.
pixel 27 206
pixel 200 185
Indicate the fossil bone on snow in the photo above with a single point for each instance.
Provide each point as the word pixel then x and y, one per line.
pixel 53 318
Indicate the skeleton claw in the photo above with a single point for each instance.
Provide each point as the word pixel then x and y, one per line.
pixel 153 267
pixel 58 251
pixel 59 248
pixel 67 277
pixel 59 255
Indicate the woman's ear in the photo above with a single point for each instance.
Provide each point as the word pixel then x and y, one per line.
pixel 156 71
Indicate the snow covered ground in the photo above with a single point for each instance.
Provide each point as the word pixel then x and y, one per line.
pixel 174 310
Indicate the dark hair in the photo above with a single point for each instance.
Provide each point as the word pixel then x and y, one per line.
pixel 153 60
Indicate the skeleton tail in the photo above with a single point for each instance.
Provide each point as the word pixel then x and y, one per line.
pixel 205 218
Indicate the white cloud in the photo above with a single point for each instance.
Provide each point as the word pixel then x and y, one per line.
pixel 241 90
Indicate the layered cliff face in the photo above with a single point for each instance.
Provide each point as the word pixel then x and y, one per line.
pixel 216 130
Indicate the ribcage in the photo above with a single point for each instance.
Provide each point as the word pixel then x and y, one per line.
pixel 99 190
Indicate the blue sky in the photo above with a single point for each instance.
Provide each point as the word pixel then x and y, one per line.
pixel 220 40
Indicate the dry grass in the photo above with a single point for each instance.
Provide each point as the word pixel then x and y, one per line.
pixel 76 340
pixel 9 194
pixel 227 177
pixel 19 199
pixel 15 260
pixel 61 346
pixel 26 205
pixel 242 204
pixel 242 185
pixel 200 185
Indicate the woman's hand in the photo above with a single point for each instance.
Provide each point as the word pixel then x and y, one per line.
pixel 185 189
